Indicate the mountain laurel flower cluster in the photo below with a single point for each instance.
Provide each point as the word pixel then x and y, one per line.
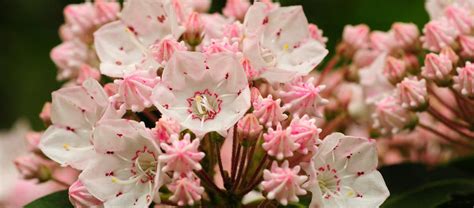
pixel 164 104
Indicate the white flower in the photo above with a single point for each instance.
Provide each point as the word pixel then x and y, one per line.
pixel 125 171
pixel 278 43
pixel 124 46
pixel 74 113
pixel 203 92
pixel 343 174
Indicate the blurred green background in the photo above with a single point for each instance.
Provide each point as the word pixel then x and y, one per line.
pixel 29 31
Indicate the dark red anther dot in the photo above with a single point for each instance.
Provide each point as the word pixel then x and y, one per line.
pixel 227 76
pixel 120 135
pixel 265 21
pixel 349 156
pixel 118 63
pixel 118 194
pixel 161 18
pixel 132 29
pixel 111 173
pixel 70 129
pixel 110 152
pixel 360 173
pixel 121 48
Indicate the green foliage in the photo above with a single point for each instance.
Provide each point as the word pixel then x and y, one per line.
pixel 57 199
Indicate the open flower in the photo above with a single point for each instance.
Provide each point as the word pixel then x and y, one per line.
pixel 278 43
pixel 124 46
pixel 125 171
pixel 203 93
pixel 343 174
pixel 135 89
pixel 283 183
pixel 74 113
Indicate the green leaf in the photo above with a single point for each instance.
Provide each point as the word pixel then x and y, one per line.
pixel 57 199
pixel 431 194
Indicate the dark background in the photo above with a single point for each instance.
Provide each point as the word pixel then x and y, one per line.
pixel 28 31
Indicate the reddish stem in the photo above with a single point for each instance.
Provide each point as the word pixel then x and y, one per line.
pixel 440 134
pixel 329 66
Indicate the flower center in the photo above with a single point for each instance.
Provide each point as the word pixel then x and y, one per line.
pixel 204 105
pixel 329 182
pixel 143 167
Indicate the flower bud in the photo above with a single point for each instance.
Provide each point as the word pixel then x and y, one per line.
pixel 391 118
pixel 32 166
pixel 249 71
pixel 164 128
pixel 80 197
pixel 86 72
pixel 438 34
pixel 395 70
pixel 438 68
pixel 163 50
pixel 464 81
pixel 357 36
pixel 69 57
pixel 254 94
pixel 412 94
pixel 45 114
pixel 194 30
pixel 467 45
pixel 317 34
pixel 382 41
pixel 405 34
pixel 449 52
pixel 248 128
pixel 460 18
pixel 236 9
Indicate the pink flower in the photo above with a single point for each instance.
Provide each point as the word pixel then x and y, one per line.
pixel 405 34
pixel 395 69
pixel 186 189
pixel 249 128
pixel 382 41
pixel 305 132
pixel 181 156
pixel 124 46
pixel 236 8
pixel 164 128
pixel 86 72
pixel 280 50
pixel 412 93
pixel 437 68
pixel 283 183
pixel 69 57
pixel 438 34
pixel 467 45
pixel 343 174
pixel 75 112
pixel 268 111
pixel 303 97
pixel 135 89
pixel 164 50
pixel 365 57
pixel 390 117
pixel 233 31
pixel 317 34
pixel 80 197
pixel 194 29
pixel 373 81
pixel 464 81
pixel 279 143
pixel 125 171
pixel 203 92
pixel 357 36
pixel 461 18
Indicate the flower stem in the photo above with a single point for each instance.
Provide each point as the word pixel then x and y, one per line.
pixel 329 66
pixel 448 122
pixel 241 169
pixel 444 136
